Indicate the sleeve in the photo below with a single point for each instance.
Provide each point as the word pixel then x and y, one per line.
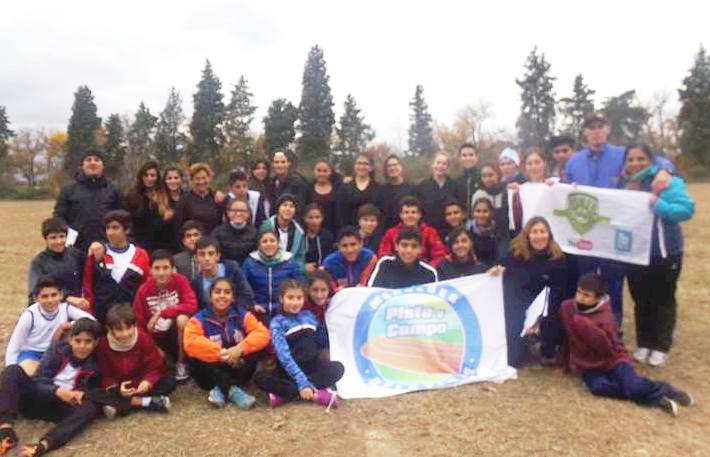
pixel 197 345
pixel 152 360
pixel 103 357
pixel 300 254
pixel 187 297
pixel 33 276
pixel 257 335
pixel 367 271
pixel 664 164
pixel 143 261
pixel 88 280
pixel 44 379
pixel 75 313
pixel 592 336
pixel 245 294
pixel 140 309
pixel 375 279
pixel 180 217
pixel 61 206
pixel 675 204
pixel 283 353
pixel 18 337
pixel 387 243
pixel 260 211
pixel 437 250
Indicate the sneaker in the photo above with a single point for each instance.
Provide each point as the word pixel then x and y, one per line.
pixel 110 412
pixel 160 404
pixel 33 450
pixel 8 440
pixel 275 401
pixel 216 397
pixel 240 398
pixel 667 405
pixel 326 398
pixel 681 397
pixel 657 358
pixel 182 373
pixel 641 354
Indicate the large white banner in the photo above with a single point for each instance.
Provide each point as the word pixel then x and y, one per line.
pixel 607 223
pixel 433 336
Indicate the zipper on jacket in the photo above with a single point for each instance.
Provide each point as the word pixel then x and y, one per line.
pixel 270 290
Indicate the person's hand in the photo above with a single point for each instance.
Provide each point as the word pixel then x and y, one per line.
pixel 307 393
pixel 496 270
pixel 652 200
pixel 59 333
pixel 151 322
pixel 534 330
pixel 661 182
pixel 143 387
pixel 64 395
pixel 514 186
pixel 347 179
pixel 219 196
pixel 126 390
pixel 168 214
pixel 97 250
pixel 259 309
pixel 80 302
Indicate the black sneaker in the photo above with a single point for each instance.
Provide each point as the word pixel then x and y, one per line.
pixel 8 440
pixel 681 397
pixel 159 404
pixel 667 405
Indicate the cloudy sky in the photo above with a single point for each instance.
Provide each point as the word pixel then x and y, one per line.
pixel 461 52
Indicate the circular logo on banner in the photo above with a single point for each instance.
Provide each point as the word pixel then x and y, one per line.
pixel 420 337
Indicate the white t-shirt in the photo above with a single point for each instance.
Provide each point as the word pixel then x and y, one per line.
pixel 121 261
pixel 283 239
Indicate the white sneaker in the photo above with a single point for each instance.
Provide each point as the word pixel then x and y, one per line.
pixel 181 372
pixel 641 354
pixel 657 358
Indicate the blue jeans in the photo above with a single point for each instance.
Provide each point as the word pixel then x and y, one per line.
pixel 622 382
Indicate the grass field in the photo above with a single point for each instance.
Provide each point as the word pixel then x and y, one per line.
pixel 543 413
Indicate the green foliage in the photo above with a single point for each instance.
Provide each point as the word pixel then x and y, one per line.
pixel 115 147
pixel 5 134
pixel 315 112
pixel 239 115
pixel 141 135
pixel 279 127
pixel 207 118
pixel 81 133
pixel 694 116
pixel 537 110
pixel 170 141
pixel 626 116
pixel 353 133
pixel 577 107
pixel 421 133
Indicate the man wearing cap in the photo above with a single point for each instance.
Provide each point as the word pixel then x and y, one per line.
pixel 83 203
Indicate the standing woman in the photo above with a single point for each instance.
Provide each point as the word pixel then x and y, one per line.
pixel 259 181
pixel 362 189
pixel 286 181
pixel 534 171
pixel 199 204
pixel 653 287
pixel 322 192
pixel 535 262
pixel 173 191
pixel 393 191
pixel 435 190
pixel 147 204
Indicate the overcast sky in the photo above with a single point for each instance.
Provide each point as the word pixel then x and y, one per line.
pixel 461 52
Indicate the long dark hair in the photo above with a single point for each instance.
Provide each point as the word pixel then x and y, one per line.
pixel 138 197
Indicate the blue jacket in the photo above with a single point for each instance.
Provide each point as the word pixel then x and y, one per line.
pixel 265 277
pixel 345 273
pixel 228 334
pixel 52 363
pixel 296 239
pixel 243 294
pixel 284 325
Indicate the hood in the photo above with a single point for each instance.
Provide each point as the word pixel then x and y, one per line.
pixel 280 257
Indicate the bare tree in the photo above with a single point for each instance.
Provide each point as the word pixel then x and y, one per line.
pixel 26 149
pixel 661 129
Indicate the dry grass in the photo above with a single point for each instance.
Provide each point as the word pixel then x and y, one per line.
pixel 543 413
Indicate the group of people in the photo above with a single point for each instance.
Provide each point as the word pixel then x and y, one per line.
pixel 135 293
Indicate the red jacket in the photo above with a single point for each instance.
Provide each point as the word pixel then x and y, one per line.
pixel 592 337
pixel 142 362
pixel 177 298
pixel 433 249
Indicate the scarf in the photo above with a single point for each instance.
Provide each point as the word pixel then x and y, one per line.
pixel 635 181
pixel 238 226
pixel 117 346
pixel 488 230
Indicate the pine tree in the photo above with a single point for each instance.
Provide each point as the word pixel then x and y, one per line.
pixel 207 118
pixel 421 134
pixel 239 115
pixel 5 134
pixel 626 116
pixel 115 147
pixel 694 116
pixel 353 133
pixel 577 107
pixel 170 141
pixel 315 113
pixel 279 125
pixel 537 111
pixel 82 128
pixel 141 136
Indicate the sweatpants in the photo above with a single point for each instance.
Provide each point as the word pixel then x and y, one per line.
pixel 612 272
pixel 208 375
pixel 164 386
pixel 622 382
pixel 653 291
pixel 323 374
pixel 19 395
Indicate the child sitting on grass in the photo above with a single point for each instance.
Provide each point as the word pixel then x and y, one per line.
pixel 320 289
pixel 593 348
pixel 38 324
pixel 133 373
pixel 58 393
pixel 300 372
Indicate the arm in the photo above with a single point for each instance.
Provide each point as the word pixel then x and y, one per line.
pixel 593 336
pixel 19 335
pixel 245 294
pixel 61 206
pixel 257 335
pixel 197 345
pixel 75 313
pixel 33 276
pixel 140 309
pixel 283 353
pixel 675 203
pixel 387 243
pixel 187 297
pixel 152 359
pixel 367 271
pixel 437 250
pixel 88 280
pixel 44 379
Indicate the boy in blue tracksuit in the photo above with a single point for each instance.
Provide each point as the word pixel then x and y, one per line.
pixel 351 262
pixel 300 372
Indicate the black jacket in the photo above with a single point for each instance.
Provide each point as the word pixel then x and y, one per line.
pixel 450 270
pixel 54 360
pixel 350 198
pixel 391 273
pixel 146 221
pixel 293 184
pixel 83 204
pixel 66 268
pixel 318 247
pixel 235 244
pixel 466 184
pixel 204 210
pixel 391 195
pixel 432 198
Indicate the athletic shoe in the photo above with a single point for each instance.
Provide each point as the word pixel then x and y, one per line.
pixel 667 405
pixel 33 450
pixel 275 401
pixel 657 358
pixel 8 439
pixel 216 397
pixel 641 354
pixel 182 373
pixel 681 397
pixel 240 398
pixel 110 412
pixel 326 398
pixel 159 404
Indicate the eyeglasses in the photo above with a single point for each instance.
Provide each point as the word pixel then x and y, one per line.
pixel 238 211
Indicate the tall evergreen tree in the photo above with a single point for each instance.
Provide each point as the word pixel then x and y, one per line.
pixel 353 133
pixel 279 125
pixel 170 141
pixel 207 118
pixel 626 116
pixel 694 116
pixel 577 107
pixel 537 110
pixel 115 147
pixel 141 136
pixel 239 115
pixel 315 113
pixel 421 133
pixel 5 134
pixel 82 128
